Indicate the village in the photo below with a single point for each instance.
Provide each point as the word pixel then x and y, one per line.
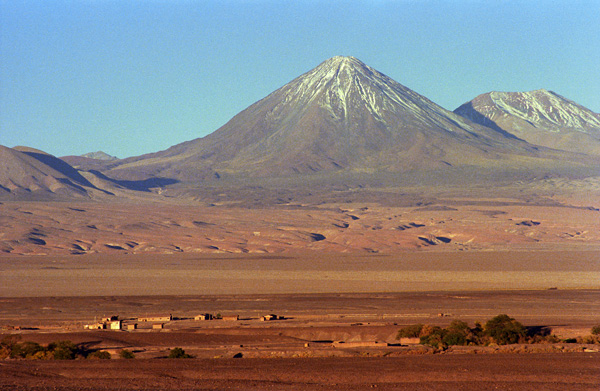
pixel 158 322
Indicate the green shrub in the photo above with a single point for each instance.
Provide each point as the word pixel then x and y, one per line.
pixel 26 349
pixel 178 353
pixel 504 330
pixel 454 338
pixel 458 333
pixel 433 336
pixel 63 350
pixel 126 354
pixel 596 330
pixel 99 355
pixel 412 331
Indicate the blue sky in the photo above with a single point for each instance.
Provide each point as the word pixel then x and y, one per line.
pixel 132 77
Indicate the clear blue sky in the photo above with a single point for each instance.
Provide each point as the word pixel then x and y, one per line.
pixel 132 76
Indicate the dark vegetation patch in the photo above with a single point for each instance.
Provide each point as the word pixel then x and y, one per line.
pixel 500 330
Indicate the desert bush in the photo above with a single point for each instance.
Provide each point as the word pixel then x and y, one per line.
pixel 42 355
pixel 433 336
pixel 596 330
pixel 458 333
pixel 126 354
pixel 26 349
pixel 505 330
pixel 412 331
pixel 454 338
pixel 63 350
pixel 99 355
pixel 544 339
pixel 587 339
pixel 178 353
pixel 428 330
pixel 7 344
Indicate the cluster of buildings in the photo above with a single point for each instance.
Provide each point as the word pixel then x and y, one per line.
pixel 107 323
pixel 114 323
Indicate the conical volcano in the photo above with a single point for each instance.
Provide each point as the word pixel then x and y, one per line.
pixel 342 115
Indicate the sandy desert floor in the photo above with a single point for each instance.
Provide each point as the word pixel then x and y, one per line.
pixel 344 341
pixel 551 372
pixel 337 271
pixel 306 272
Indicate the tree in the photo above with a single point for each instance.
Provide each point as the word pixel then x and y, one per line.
pixel 596 330
pixel 458 333
pixel 433 336
pixel 412 331
pixel 63 350
pixel 26 349
pixel 505 330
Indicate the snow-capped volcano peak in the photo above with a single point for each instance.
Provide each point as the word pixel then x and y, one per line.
pixel 345 87
pixel 545 108
pixel 540 117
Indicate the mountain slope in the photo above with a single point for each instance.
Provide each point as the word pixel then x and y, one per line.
pixel 34 174
pixel 342 115
pixel 27 173
pixel 539 117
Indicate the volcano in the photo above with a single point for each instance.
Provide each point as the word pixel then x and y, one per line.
pixel 539 117
pixel 341 116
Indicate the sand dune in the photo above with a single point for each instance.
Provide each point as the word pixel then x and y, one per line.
pixel 146 227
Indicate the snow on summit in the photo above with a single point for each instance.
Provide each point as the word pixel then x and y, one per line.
pixel 540 117
pixel 542 107
pixel 344 86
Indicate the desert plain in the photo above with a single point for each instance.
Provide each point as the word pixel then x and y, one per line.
pixel 343 275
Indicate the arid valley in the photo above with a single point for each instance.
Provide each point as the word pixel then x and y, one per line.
pixel 342 233
pixel 343 278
